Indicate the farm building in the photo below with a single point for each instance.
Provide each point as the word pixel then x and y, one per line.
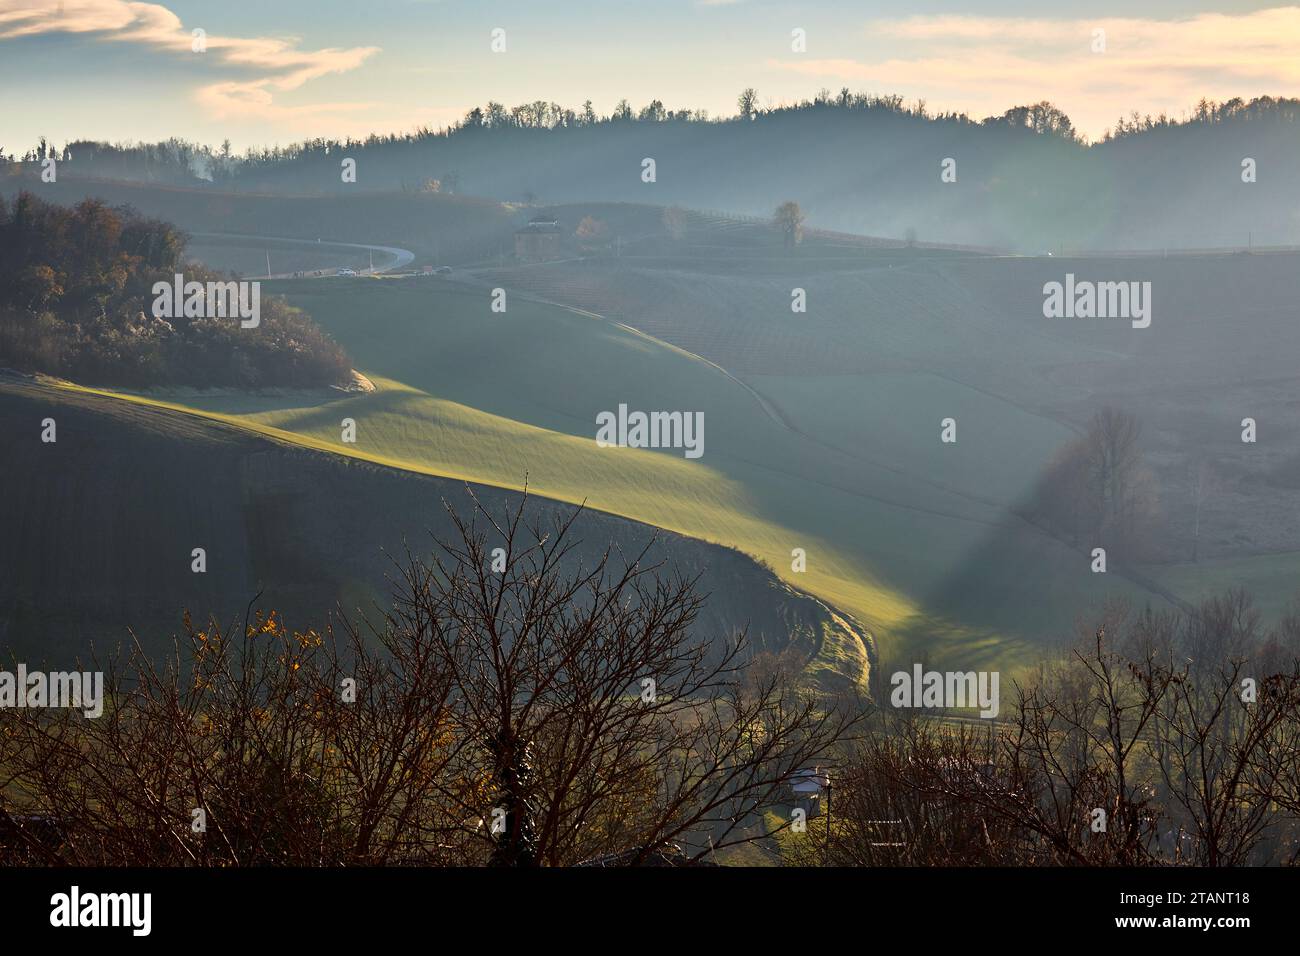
pixel 807 788
pixel 540 239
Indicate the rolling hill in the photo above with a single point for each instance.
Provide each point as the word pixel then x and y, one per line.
pixel 919 547
pixel 823 427
pixel 100 526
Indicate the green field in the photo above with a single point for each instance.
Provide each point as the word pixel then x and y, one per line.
pixel 1273 580
pixel 906 534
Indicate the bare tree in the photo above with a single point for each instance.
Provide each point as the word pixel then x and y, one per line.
pixel 601 722
pixel 1127 752
pixel 1223 628
pixel 1116 476
pixel 747 103
pixel 1273 776
pixel 789 219
pixel 1211 744
pixel 900 800
pixel 513 708
pixel 1076 746
pixel 250 746
pixel 1098 489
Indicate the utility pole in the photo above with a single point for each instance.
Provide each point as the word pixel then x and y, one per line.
pixel 826 848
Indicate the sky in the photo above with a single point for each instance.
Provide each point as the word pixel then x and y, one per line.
pixel 279 71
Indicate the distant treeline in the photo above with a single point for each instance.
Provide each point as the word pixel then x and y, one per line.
pixel 76 301
pixel 1024 179
pixel 183 160
pixel 187 160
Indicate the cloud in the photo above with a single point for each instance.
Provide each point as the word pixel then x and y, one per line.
pixel 983 65
pixel 277 65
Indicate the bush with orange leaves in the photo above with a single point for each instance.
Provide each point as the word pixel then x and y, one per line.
pixel 245 747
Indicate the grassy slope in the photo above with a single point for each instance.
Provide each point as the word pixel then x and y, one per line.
pixel 1271 580
pixel 309 532
pixel 495 398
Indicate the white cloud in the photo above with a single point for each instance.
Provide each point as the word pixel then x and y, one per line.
pixel 278 64
pixel 983 65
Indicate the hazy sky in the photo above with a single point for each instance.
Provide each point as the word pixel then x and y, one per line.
pixel 283 70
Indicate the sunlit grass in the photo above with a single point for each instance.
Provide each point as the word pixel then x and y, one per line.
pixel 917 548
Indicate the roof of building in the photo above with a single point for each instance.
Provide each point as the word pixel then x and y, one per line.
pixel 809 781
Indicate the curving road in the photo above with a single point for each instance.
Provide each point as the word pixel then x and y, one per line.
pixel 400 257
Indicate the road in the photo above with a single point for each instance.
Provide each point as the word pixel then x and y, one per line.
pixel 400 257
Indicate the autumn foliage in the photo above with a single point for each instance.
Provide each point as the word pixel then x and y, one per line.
pixel 76 301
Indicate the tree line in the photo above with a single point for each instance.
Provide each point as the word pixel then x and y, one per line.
pixel 511 708
pixel 177 160
pixel 1155 738
pixel 76 301
pixel 515 708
